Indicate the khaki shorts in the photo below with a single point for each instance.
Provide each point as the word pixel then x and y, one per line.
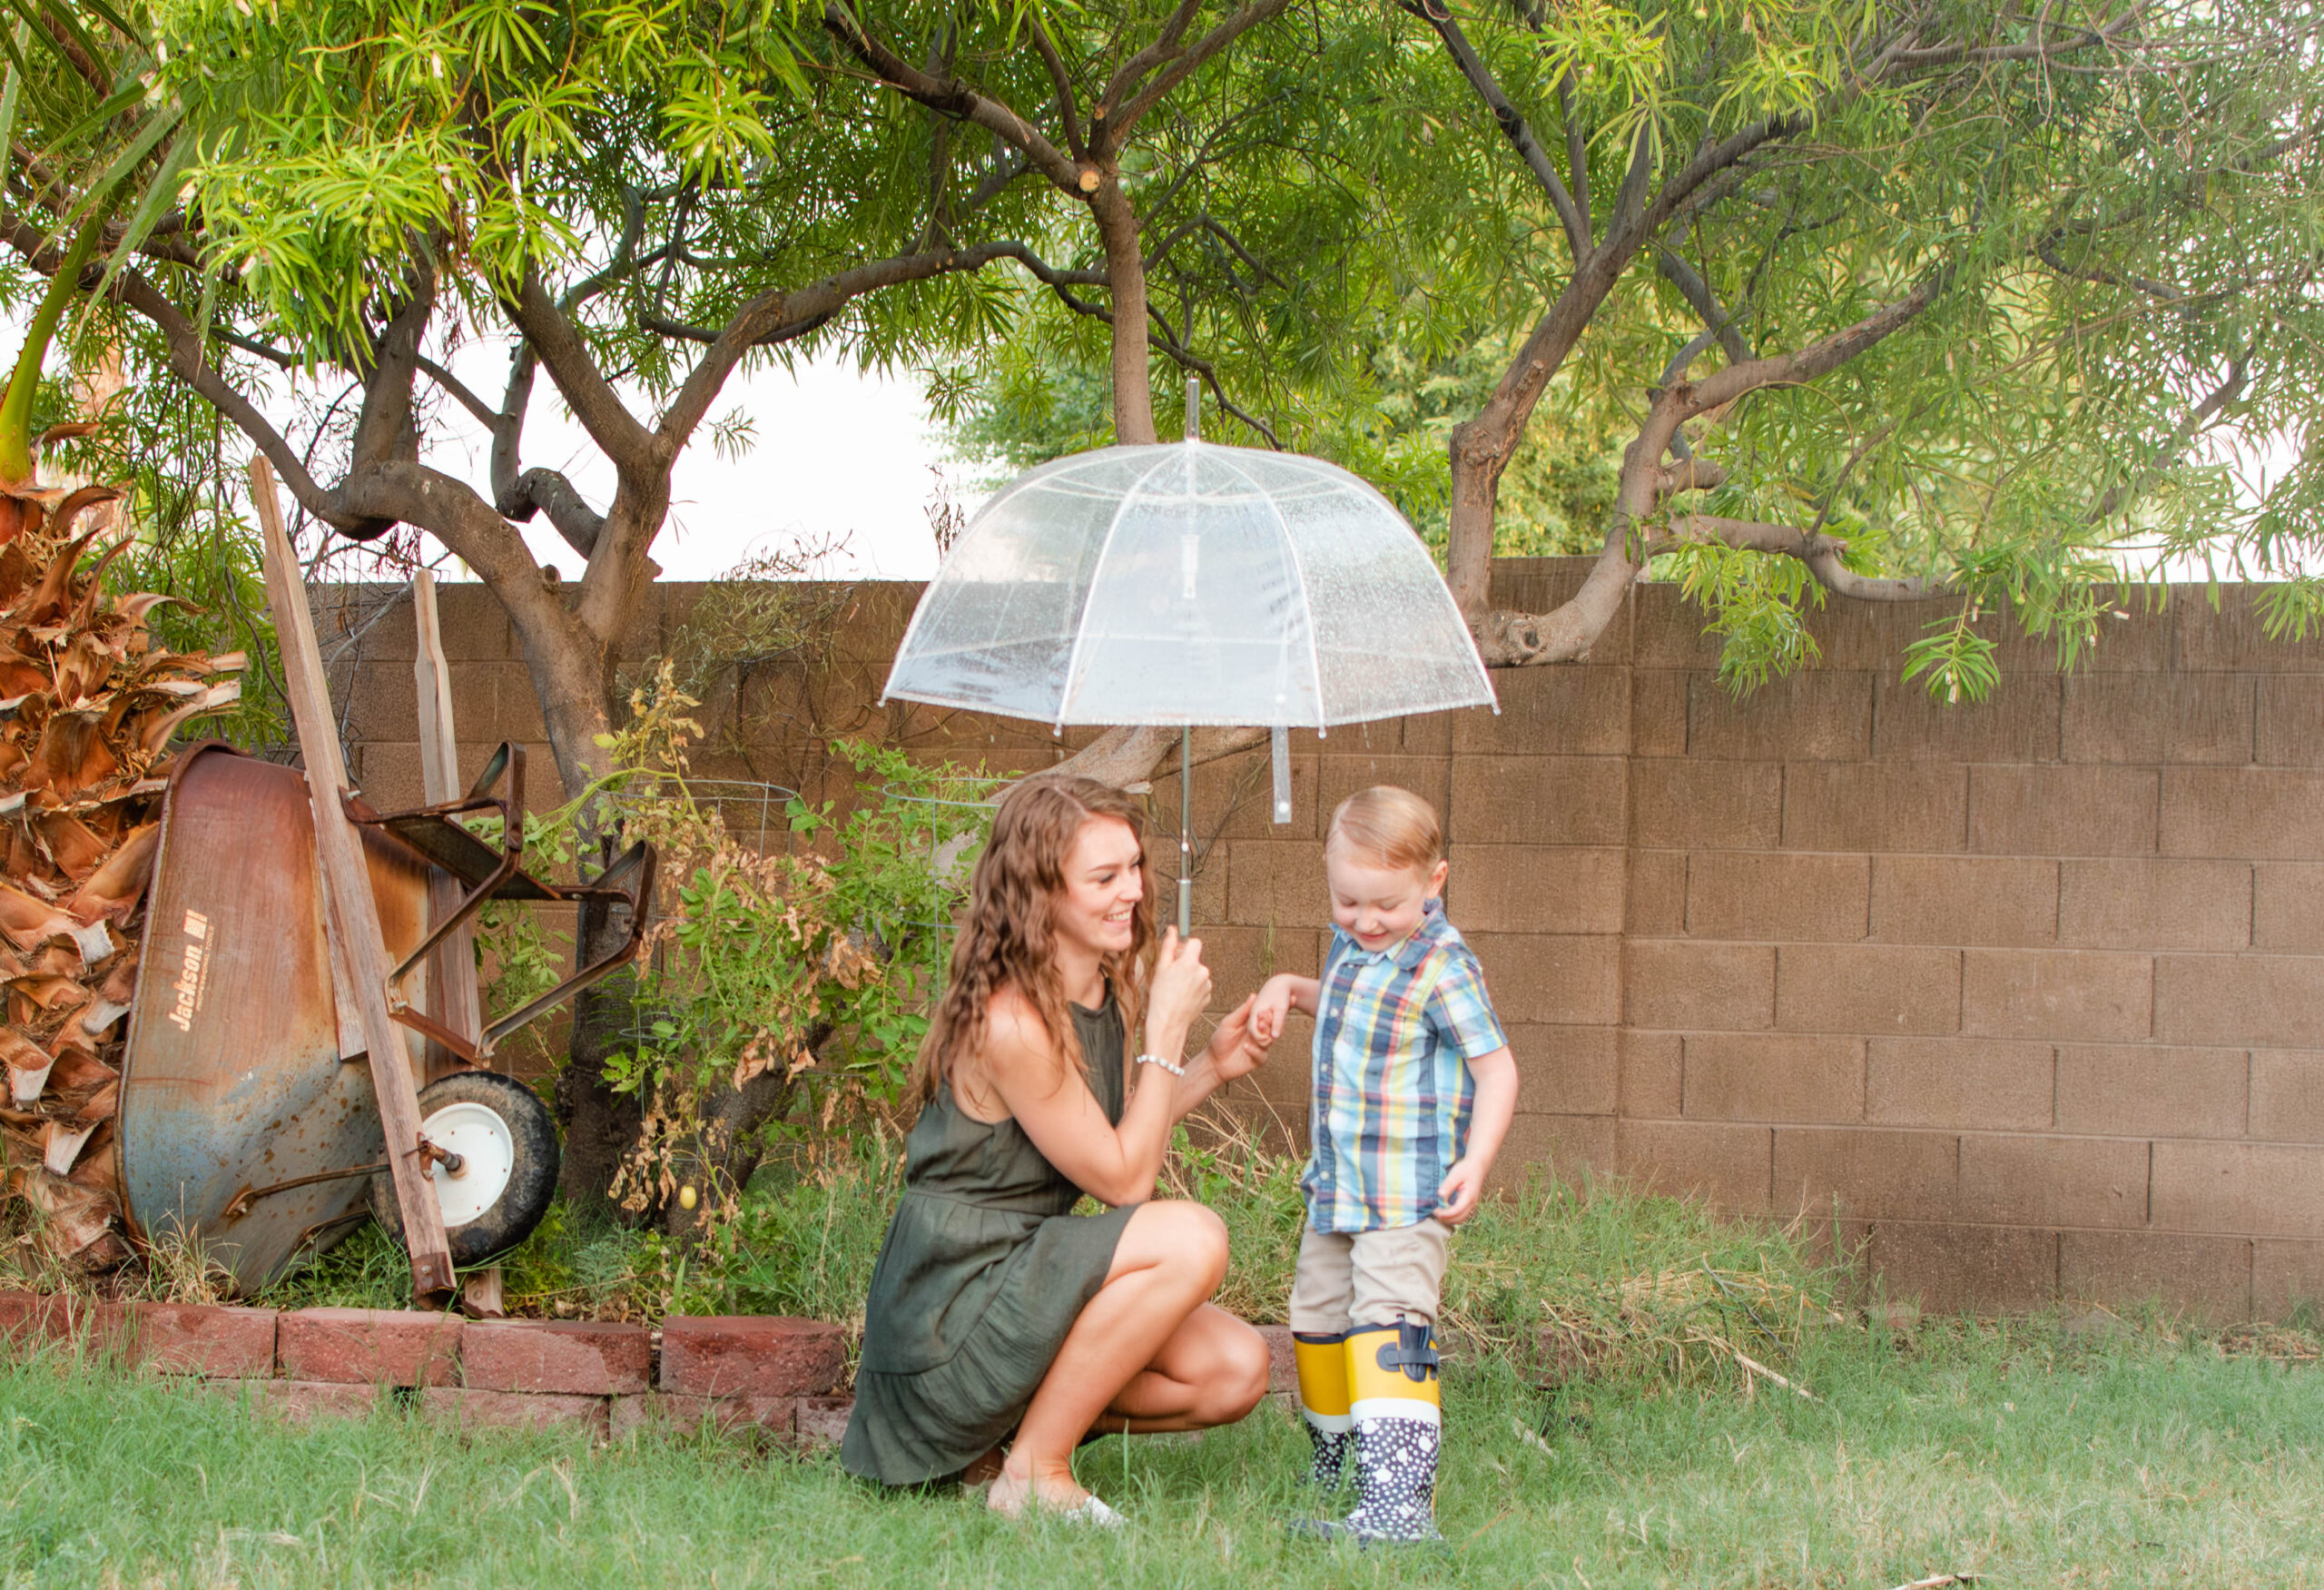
pixel 1368 1277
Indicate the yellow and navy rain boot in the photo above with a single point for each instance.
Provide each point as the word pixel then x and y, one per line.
pixel 1322 1362
pixel 1394 1403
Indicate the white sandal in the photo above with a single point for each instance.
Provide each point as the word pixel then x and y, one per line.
pixel 1093 1513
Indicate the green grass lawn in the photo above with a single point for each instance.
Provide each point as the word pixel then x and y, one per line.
pixel 2021 1453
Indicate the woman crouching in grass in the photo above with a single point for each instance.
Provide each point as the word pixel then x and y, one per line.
pixel 996 1318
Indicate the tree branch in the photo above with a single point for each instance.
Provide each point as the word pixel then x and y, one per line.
pixel 552 335
pixel 458 390
pixel 953 97
pixel 1512 124
pixel 1187 63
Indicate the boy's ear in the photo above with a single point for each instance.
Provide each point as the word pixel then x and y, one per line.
pixel 1443 870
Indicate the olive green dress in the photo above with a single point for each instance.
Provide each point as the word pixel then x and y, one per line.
pixel 982 1275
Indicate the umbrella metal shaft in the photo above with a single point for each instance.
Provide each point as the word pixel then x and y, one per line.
pixel 1186 830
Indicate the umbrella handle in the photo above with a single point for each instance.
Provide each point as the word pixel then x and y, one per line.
pixel 1186 833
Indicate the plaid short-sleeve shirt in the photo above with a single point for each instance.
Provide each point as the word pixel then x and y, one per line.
pixel 1394 1032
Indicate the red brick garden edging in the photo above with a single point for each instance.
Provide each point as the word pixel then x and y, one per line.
pixel 776 1373
pixel 736 1371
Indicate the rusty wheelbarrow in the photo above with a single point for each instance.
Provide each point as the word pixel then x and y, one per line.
pixel 305 965
pixel 248 1118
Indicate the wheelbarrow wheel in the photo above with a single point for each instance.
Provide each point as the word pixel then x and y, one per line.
pixel 507 1143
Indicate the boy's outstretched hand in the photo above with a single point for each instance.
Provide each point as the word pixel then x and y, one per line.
pixel 1465 1184
pixel 1236 1048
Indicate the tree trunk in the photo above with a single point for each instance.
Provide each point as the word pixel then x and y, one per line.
pixel 1125 283
pixel 601 1126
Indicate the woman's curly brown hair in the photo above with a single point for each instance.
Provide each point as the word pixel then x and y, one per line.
pixel 1004 939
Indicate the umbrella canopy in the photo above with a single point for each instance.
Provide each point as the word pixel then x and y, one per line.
pixel 1187 583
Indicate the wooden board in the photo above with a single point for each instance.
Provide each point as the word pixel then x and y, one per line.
pixel 451 990
pixel 350 917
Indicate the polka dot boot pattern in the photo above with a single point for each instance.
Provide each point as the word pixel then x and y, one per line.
pixel 1331 1456
pixel 1395 1476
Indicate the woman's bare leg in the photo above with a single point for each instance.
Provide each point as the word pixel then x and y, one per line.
pixel 1212 1371
pixel 1171 1257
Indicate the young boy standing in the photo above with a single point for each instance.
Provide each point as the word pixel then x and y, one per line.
pixel 1414 1086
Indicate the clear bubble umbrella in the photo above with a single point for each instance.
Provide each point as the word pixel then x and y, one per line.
pixel 1187 584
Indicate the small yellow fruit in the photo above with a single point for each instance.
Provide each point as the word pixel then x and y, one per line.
pixel 685 1198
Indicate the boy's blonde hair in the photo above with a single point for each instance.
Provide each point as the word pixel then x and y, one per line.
pixel 1389 825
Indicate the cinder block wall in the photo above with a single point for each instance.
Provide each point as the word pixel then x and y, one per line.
pixel 2028 996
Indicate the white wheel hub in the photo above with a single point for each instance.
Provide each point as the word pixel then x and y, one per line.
pixel 487 1152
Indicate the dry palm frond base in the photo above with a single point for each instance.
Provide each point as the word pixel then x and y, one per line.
pixel 88 706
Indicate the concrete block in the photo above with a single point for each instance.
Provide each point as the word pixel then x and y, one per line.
pixel 387 773
pixel 1351 768
pixel 186 1338
pixel 871 622
pixel 518 1411
pixel 1658 713
pixel 1874 1174
pixel 1724 1163
pixel 2207 1277
pixel 2141 1090
pixel 1530 889
pixel 2011 1179
pixel 2266 813
pixel 577 1358
pixel 1991 1083
pixel 2287 1095
pixel 302 1402
pixel 1875 805
pixel 822 1421
pixel 2259 1189
pixel 1427 734
pixel 2019 723
pixel 2155 904
pixel 371 1347
pixel 1566 1071
pixel 1551 977
pixel 383 704
pixel 2056 993
pixel 1241 958
pixel 1265 883
pixel 1582 712
pixel 1773 1077
pixel 2291 717
pixel 369 609
pixel 2062 811
pixel 1867 988
pixel 1539 800
pixel 2284 1276
pixel 1964 900
pixel 2288 906
pixel 749 1355
pixel 1812 716
pixel 1675 984
pixel 1730 805
pixel 1671 631
pixel 1652 1074
pixel 1655 903
pixel 1778 895
pixel 2232 637
pixel 1965 1269
pixel 1541 1143
pixel 2274 1002
pixel 2154 719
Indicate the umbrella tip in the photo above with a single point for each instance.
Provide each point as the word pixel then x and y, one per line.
pixel 1193 408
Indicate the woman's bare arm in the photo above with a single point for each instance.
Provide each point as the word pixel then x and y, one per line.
pixel 1116 1165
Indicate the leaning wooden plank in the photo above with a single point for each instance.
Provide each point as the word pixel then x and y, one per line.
pixel 451 990
pixel 351 914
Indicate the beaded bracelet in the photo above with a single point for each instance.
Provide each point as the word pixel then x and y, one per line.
pixel 1173 1068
